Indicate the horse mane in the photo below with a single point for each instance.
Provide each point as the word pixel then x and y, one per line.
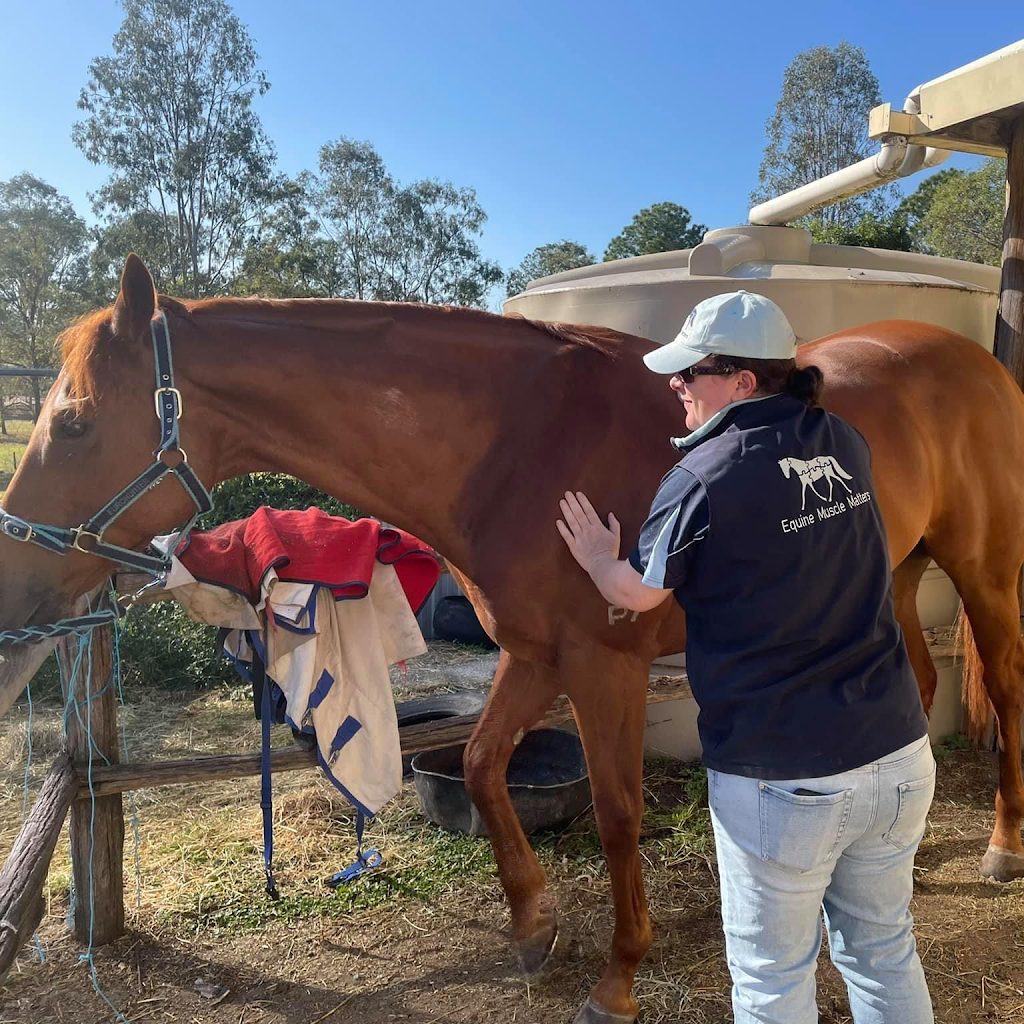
pixel 601 339
pixel 89 334
pixel 78 344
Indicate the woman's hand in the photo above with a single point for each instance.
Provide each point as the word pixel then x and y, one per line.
pixel 589 540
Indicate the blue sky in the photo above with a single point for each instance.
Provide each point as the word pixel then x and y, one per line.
pixel 567 118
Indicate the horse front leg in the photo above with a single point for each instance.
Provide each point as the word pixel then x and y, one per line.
pixel 608 691
pixel 521 692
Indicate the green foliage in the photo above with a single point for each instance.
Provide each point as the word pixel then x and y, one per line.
pixel 43 246
pixel 142 232
pixel 290 258
pixel 949 746
pixel 888 232
pixel 162 647
pixel 964 219
pixel 242 495
pixel 953 213
pixel 353 231
pixel 170 113
pixel 915 206
pixel 820 126
pixel 545 260
pixel 663 227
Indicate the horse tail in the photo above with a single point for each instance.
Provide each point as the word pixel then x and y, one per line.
pixel 977 707
pixel 839 469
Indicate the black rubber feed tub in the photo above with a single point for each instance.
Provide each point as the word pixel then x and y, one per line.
pixel 547 780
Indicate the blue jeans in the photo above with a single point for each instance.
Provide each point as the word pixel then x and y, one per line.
pixel 782 856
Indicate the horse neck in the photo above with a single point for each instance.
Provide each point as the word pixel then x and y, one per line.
pixel 390 409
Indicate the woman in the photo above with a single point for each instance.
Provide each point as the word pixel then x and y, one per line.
pixel 820 773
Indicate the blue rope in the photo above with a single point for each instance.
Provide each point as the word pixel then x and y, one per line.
pixel 134 815
pixel 84 655
pixel 28 756
pixel 66 627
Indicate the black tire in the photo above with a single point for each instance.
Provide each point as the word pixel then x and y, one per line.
pixel 456 621
pixel 436 708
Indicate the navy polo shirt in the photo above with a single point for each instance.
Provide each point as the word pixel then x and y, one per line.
pixel 770 537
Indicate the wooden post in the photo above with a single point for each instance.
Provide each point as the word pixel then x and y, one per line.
pixel 1009 342
pixel 22 876
pixel 97 829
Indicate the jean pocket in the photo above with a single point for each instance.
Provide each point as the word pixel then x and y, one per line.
pixel 800 833
pixel 911 813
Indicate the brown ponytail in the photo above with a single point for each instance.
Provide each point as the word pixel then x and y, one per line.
pixel 778 376
pixel 805 383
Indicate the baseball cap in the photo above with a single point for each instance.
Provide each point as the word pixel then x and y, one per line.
pixel 740 324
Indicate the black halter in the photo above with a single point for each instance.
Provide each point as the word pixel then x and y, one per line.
pixel 169 457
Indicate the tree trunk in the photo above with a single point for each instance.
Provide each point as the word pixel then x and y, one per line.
pixel 1009 341
pixel 22 876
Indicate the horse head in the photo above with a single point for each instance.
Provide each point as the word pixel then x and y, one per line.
pixel 96 433
pixel 784 465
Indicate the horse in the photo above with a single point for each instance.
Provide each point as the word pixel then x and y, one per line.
pixel 824 467
pixel 465 428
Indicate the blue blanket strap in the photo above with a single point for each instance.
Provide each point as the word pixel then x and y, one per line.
pixel 366 860
pixel 266 801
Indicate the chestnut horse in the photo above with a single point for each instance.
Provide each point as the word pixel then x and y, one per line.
pixel 465 428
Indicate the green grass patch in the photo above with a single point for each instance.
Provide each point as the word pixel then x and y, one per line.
pixel 948 746
pixel 12 448
pixel 431 864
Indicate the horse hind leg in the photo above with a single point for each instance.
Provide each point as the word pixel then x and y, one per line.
pixel 521 692
pixel 989 590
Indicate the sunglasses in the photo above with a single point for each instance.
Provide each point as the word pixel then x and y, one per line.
pixel 687 376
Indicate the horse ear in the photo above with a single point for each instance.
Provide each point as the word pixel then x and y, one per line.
pixel 136 301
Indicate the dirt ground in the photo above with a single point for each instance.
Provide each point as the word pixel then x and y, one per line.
pixel 432 947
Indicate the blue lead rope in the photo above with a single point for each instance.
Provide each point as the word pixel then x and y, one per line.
pixel 266 800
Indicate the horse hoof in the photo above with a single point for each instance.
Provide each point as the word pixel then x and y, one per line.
pixel 1002 865
pixel 535 953
pixel 591 1013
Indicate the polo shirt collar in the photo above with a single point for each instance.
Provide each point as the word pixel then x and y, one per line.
pixel 705 430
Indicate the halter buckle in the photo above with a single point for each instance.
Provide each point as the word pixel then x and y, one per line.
pixel 29 534
pixel 79 533
pixel 170 391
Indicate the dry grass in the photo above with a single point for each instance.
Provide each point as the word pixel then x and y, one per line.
pixel 445 668
pixel 421 940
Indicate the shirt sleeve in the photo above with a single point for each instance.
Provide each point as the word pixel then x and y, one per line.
pixel 679 518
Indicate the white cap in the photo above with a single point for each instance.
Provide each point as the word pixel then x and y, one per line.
pixel 739 324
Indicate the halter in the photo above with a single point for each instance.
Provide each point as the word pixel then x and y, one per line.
pixel 169 457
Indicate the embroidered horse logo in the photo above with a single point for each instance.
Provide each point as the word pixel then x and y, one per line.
pixel 824 467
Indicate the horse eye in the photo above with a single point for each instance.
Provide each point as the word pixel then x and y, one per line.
pixel 73 428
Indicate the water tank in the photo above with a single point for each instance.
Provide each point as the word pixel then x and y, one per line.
pixel 822 288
